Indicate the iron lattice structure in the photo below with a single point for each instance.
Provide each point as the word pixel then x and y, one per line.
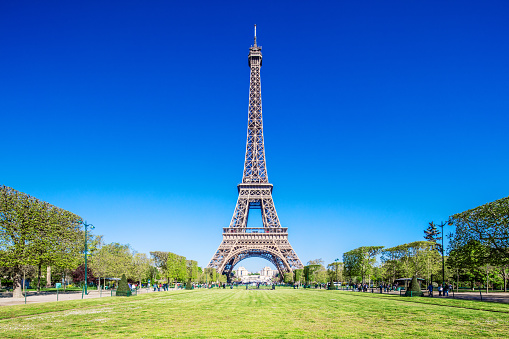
pixel 255 192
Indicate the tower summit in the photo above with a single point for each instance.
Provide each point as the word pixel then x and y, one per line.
pixel 255 192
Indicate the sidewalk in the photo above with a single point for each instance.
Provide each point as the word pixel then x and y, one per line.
pixel 33 298
pixel 499 297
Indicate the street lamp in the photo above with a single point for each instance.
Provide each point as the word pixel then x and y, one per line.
pixel 86 249
pixel 442 224
pixel 336 264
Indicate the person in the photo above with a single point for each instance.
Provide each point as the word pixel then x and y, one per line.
pixel 446 290
pixel 440 289
pixel 430 289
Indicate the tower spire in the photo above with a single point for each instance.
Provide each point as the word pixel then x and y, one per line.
pixel 255 36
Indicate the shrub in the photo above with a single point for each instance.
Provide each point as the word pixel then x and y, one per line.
pixel 415 289
pixel 123 289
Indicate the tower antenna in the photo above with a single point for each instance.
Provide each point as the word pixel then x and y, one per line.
pixel 255 36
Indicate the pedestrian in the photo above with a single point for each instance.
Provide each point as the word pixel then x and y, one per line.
pixel 430 290
pixel 446 290
pixel 440 290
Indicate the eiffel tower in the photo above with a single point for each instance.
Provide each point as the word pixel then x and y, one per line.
pixel 255 192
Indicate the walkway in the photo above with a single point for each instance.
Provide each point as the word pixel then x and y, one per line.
pixel 33 297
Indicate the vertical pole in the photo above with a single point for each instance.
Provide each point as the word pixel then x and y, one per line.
pixel 85 257
pixel 443 263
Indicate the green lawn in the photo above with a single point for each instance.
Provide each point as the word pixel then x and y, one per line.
pixel 237 313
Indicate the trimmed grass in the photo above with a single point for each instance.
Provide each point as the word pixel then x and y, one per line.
pixel 237 313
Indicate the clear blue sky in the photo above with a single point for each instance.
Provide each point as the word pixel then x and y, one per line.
pixel 380 116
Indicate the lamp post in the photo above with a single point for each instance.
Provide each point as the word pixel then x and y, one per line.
pixel 442 224
pixel 86 249
pixel 336 264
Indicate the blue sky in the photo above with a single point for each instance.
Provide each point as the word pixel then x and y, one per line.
pixel 378 116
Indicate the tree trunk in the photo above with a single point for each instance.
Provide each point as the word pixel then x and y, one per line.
pixel 457 280
pixel 48 276
pixel 16 284
pixel 505 279
pixel 64 279
pixel 39 273
pixel 24 283
pixel 487 279
pixel 99 285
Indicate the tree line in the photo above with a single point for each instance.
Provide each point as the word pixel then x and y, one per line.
pixel 34 233
pixel 37 237
pixel 476 254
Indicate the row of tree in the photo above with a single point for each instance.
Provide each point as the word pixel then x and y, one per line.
pixel 477 252
pixel 36 233
pixel 479 247
pixel 36 236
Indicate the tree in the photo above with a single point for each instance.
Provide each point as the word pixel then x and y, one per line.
pixel 33 232
pixel 78 275
pixel 360 261
pixel 432 234
pixel 488 224
pixel 210 275
pixel 288 277
pixel 337 269
pixel 310 273
pixel 298 273
pixel 192 270
pixel 485 227
pixel 415 289
pixel 182 269
pixel 316 262
pixel 141 266
pixel 113 260
pixel 160 259
pixel 123 289
pixel 411 259
pixel 173 263
pixel 470 258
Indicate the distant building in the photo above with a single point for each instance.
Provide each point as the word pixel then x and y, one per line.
pixel 268 272
pixel 241 272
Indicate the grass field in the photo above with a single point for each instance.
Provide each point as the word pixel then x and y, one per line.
pixel 284 313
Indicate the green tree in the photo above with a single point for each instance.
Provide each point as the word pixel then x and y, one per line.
pixel 182 270
pixel 33 232
pixel 488 224
pixel 160 260
pixel 432 234
pixel 192 270
pixel 415 258
pixel 298 275
pixel 360 261
pixel 113 260
pixel 337 269
pixel 141 266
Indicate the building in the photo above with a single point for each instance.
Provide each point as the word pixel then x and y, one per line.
pixel 268 272
pixel 241 272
